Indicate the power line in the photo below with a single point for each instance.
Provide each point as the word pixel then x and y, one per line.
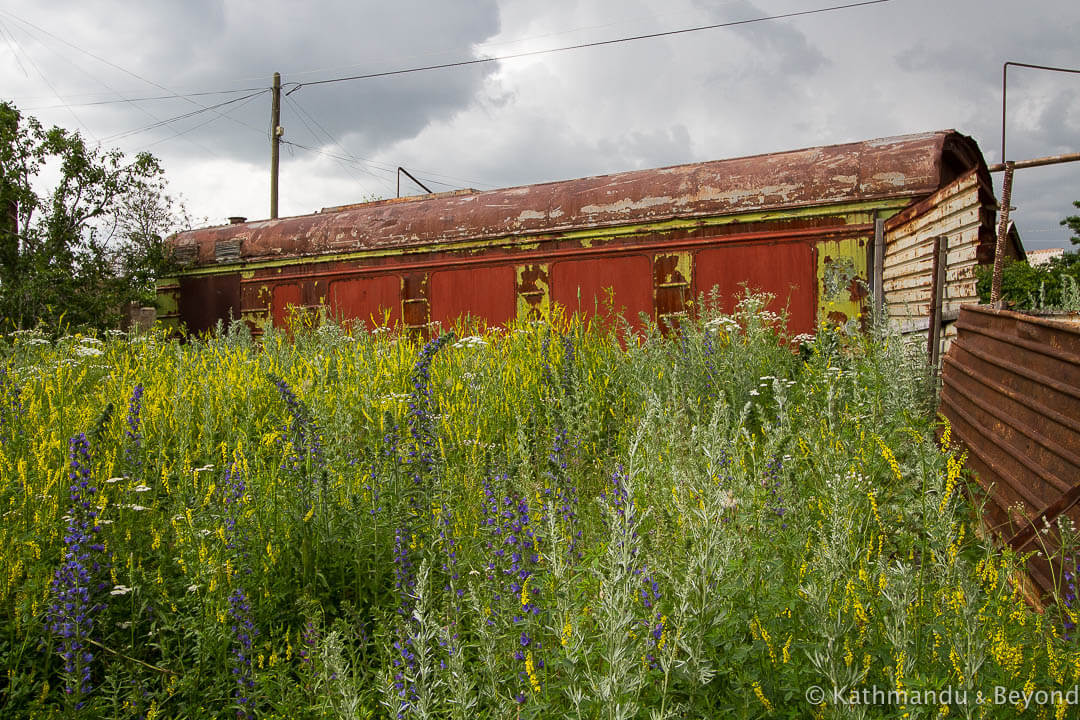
pixel 178 96
pixel 193 113
pixel 344 158
pixel 361 161
pixel 126 71
pixel 580 46
pixel 301 113
pixel 12 43
pixel 95 78
pixel 178 133
pixel 59 97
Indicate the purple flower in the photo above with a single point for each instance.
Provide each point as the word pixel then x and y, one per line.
pixel 243 632
pixel 306 439
pixel 76 586
pixel 421 420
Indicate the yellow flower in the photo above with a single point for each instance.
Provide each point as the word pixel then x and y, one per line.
pixel 890 458
pixel 525 591
pixel 530 668
pixel 760 694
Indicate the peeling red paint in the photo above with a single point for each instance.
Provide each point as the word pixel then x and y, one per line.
pixel 510 252
pixel 913 166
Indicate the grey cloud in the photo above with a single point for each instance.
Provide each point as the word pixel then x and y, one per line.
pixel 786 49
pixel 666 146
pixel 211 45
pixel 905 66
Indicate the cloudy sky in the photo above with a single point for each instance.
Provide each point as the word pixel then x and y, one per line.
pixel 891 68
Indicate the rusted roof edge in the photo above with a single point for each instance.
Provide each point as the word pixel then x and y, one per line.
pixel 1072 328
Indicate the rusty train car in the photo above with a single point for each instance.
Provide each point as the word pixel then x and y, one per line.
pixel 800 225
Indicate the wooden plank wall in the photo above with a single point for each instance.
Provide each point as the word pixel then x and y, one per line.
pixel 963 211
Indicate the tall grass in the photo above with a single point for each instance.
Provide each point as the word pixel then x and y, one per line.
pixel 552 520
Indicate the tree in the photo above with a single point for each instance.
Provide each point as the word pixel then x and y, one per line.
pixel 1052 286
pixel 74 254
pixel 1073 223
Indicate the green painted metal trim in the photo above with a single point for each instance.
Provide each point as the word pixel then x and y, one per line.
pixel 857 214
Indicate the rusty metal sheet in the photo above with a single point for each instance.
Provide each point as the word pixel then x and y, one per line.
pixel 373 301
pixel 673 275
pixel 622 284
pixel 482 292
pixel 1011 390
pixel 284 298
pixel 784 269
pixel 900 167
pixel 205 300
pixel 415 300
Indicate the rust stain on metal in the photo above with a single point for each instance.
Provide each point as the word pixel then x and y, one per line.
pixel 642 242
pixel 1011 389
pixel 532 291
pixel 908 166
pixel 672 287
pixel 415 306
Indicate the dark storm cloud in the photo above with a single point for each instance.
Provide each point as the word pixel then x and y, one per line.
pixel 211 45
pixel 786 48
pixel 899 67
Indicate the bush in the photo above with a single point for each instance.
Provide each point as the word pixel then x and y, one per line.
pixel 1053 286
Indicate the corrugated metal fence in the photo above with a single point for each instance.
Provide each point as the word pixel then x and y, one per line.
pixel 1011 389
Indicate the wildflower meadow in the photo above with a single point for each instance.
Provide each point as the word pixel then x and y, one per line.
pixel 550 520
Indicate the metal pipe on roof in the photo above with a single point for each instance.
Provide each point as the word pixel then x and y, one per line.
pixel 1038 162
pixel 413 177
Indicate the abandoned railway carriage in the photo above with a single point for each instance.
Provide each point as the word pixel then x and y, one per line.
pixel 801 225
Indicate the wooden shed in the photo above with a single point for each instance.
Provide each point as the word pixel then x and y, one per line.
pixel 799 224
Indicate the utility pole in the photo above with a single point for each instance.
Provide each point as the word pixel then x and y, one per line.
pixel 275 141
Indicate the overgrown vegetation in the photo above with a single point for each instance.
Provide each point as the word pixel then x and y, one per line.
pixel 73 254
pixel 1053 286
pixel 527 523
pixel 1073 223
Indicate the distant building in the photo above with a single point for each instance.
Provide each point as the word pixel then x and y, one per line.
pixel 1042 257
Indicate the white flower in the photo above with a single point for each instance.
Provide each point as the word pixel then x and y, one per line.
pixel 112 480
pixel 86 351
pixel 754 392
pixel 192 588
pixel 141 488
pixel 120 590
pixel 138 508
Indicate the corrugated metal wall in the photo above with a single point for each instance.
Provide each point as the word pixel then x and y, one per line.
pixel 1011 389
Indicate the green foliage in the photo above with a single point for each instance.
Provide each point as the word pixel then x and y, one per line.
pixel 75 253
pixel 704 524
pixel 1073 223
pixel 1052 286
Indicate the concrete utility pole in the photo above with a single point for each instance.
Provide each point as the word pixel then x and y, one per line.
pixel 275 140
